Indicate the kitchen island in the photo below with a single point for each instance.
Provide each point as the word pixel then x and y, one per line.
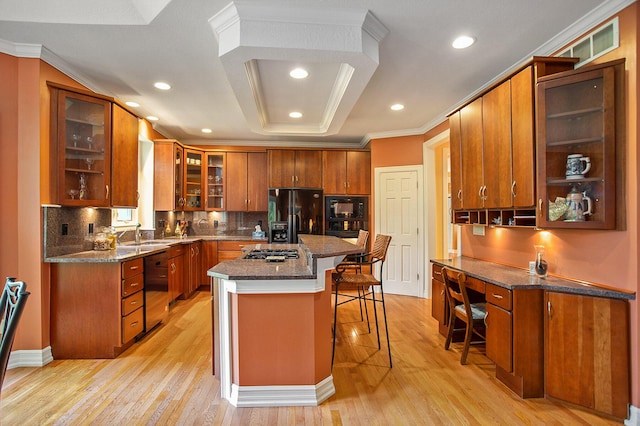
pixel 272 325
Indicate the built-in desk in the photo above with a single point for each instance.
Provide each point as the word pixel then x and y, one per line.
pixel 549 337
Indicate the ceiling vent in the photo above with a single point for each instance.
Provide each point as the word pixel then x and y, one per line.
pixel 259 44
pixel 595 44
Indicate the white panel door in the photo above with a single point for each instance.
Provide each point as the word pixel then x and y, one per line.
pixel 397 214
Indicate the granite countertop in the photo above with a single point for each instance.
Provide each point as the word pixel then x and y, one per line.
pixel 311 247
pixel 129 251
pixel 516 278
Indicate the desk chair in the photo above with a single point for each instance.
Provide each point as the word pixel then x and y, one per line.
pixel 14 297
pixel 348 278
pixel 470 311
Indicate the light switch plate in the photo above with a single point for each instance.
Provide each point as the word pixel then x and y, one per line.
pixel 478 230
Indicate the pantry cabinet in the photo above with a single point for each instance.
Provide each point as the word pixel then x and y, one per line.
pixel 346 172
pixel 248 173
pixel 587 352
pixel 295 168
pixel 579 131
pixel 124 179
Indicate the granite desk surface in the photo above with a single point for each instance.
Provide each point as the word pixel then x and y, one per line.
pixel 311 248
pixel 516 278
pixel 129 251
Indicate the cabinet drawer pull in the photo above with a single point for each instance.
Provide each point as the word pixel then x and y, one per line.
pixel 134 284
pixel 437 273
pixel 133 268
pixel 497 296
pixel 133 302
pixel 133 324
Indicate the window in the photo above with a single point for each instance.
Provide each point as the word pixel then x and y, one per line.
pixel 604 39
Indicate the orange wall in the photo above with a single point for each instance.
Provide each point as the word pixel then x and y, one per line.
pixel 602 257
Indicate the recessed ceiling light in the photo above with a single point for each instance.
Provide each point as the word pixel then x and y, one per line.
pixel 132 104
pixel 205 130
pixel 463 42
pixel 152 118
pixel 299 73
pixel 295 114
pixel 162 85
pixel 397 107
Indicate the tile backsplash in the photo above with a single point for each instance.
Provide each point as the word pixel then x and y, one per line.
pixel 76 223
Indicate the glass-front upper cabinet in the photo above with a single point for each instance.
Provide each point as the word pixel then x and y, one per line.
pixel 193 179
pixel 82 126
pixel 179 178
pixel 216 165
pixel 577 148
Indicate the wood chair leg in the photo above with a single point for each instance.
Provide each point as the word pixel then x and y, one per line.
pixel 452 323
pixel 467 342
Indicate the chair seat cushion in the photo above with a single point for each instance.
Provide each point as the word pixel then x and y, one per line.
pixel 478 310
pixel 359 280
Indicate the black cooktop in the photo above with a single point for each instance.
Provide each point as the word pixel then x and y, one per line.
pixel 273 254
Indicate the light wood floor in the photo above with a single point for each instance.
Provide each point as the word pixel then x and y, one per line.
pixel 166 379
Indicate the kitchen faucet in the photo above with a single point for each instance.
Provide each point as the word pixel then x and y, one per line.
pixel 136 234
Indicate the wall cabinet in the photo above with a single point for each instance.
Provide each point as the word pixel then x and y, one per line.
pixel 492 143
pixel 215 181
pixel 124 158
pixel 81 140
pixel 346 172
pixel 168 176
pixel 94 150
pixel 100 320
pixel 587 352
pixel 578 116
pixel 193 179
pixel 295 168
pixel 248 173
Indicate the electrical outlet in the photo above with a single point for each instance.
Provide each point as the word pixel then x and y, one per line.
pixel 91 228
pixel 478 230
pixel 215 223
pixel 65 229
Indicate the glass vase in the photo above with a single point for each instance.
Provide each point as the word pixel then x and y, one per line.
pixel 541 263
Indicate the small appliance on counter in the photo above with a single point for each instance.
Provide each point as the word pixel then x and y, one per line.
pixel 293 212
pixel 345 216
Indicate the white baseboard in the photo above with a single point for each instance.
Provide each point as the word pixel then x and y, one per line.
pixel 634 416
pixel 282 396
pixel 30 358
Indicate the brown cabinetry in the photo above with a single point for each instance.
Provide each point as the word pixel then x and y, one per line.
pixel 168 175
pixel 100 320
pixel 94 150
pixel 124 158
pixel 492 144
pixel 194 182
pixel 193 268
pixel 295 169
pixel 215 181
pixel 81 142
pixel 346 172
pixel 175 265
pixel 587 352
pixel 209 260
pixel 579 115
pixel 499 327
pixel 439 306
pixel 247 172
pixel 229 250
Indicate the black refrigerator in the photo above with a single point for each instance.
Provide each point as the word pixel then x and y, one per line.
pixel 293 212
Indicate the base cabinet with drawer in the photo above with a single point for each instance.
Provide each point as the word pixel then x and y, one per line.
pixel 100 318
pixel 229 250
pixel 515 338
pixel 176 271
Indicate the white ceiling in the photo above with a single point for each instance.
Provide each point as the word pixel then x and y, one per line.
pixel 226 62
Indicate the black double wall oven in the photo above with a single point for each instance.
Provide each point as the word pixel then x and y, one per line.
pixel 346 215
